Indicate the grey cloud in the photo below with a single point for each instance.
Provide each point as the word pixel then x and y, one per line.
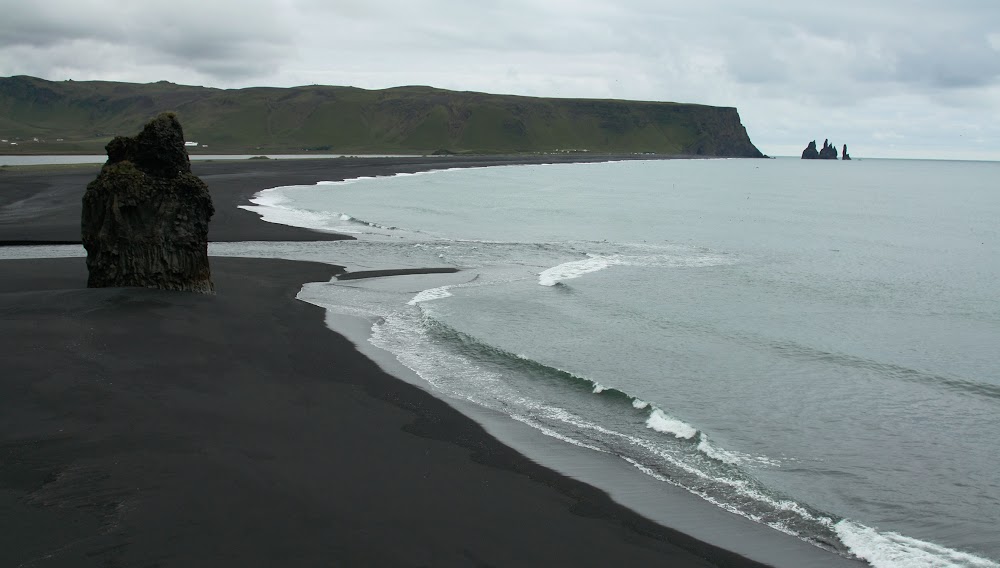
pixel 950 62
pixel 923 44
pixel 226 39
pixel 783 63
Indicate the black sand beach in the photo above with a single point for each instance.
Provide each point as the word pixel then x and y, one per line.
pixel 40 204
pixel 150 428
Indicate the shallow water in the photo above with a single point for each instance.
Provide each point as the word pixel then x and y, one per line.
pixel 811 345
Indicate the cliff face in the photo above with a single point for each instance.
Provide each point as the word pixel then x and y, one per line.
pixel 345 119
pixel 721 133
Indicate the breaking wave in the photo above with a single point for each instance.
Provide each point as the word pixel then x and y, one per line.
pixel 673 451
pixel 892 550
pixel 595 262
pixel 678 453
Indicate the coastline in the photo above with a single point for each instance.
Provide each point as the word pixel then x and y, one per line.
pixel 261 444
pixel 41 205
pixel 470 499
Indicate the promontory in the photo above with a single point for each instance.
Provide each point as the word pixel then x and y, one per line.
pixel 47 117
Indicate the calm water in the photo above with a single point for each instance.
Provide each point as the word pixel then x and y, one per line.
pixel 811 345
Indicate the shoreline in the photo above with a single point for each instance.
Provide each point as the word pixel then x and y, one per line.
pixel 621 532
pixel 659 502
pixel 115 454
pixel 43 206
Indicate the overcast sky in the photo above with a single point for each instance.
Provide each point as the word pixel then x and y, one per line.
pixel 891 78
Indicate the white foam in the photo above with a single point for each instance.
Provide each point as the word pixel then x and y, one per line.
pixel 892 550
pixel 553 434
pixel 573 269
pixel 270 205
pixel 347 181
pixel 270 197
pixel 732 457
pixel 280 215
pixel 716 453
pixel 598 388
pixel 350 219
pixel 740 486
pixel 662 423
pixel 405 334
pixel 674 258
pixel 431 294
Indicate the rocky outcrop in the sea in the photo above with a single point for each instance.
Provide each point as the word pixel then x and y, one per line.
pixel 844 155
pixel 145 217
pixel 828 152
pixel 810 153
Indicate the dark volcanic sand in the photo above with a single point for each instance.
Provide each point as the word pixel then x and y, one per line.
pixel 150 428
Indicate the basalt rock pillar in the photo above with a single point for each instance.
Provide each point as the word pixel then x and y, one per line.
pixel 810 153
pixel 828 152
pixel 145 217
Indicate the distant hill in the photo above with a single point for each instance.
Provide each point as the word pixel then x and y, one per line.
pixel 81 116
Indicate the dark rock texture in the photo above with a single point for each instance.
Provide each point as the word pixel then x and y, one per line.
pixel 828 152
pixel 810 153
pixel 717 131
pixel 145 218
pixel 844 155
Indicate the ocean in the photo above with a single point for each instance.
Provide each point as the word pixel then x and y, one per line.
pixel 813 346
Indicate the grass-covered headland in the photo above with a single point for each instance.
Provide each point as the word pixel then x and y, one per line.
pixel 44 117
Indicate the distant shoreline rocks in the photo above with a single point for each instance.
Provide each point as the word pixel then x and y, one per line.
pixel 828 152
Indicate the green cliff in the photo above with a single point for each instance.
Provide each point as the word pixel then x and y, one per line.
pixel 82 116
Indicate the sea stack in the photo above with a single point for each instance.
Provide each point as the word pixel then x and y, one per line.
pixel 810 153
pixel 145 217
pixel 844 155
pixel 828 152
